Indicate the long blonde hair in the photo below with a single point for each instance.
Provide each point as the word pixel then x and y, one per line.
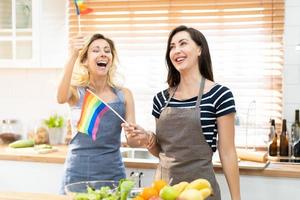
pixel 81 76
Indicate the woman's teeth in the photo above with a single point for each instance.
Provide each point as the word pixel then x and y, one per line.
pixel 179 59
pixel 101 64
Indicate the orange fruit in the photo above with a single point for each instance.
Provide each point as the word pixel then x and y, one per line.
pixel 159 184
pixel 138 198
pixel 148 192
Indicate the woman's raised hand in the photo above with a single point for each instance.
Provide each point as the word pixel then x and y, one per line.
pixel 76 44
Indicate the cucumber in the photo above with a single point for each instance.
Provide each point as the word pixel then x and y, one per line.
pixel 43 146
pixel 22 143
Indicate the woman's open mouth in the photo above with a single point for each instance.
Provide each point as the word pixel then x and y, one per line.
pixel 102 64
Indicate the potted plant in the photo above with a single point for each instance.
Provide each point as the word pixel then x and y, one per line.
pixel 55 124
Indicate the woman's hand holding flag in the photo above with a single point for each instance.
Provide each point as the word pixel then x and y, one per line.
pixel 136 135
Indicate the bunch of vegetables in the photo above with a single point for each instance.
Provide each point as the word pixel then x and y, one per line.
pixel 107 193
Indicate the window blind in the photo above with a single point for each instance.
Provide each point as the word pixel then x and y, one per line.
pixel 245 40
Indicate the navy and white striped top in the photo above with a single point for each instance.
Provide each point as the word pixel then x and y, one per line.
pixel 215 103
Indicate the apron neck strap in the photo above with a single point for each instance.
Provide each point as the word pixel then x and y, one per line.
pixel 202 83
pixel 171 95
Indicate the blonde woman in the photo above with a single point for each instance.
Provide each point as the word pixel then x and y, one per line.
pixel 96 66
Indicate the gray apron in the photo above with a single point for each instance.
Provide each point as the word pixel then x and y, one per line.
pixel 185 154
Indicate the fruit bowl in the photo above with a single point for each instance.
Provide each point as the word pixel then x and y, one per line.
pixel 85 189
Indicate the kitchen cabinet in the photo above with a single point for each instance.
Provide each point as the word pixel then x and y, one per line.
pixel 18 28
pixel 27 172
pixel 261 187
pixel 35 177
pixel 21 176
pixel 30 196
pixel 32 33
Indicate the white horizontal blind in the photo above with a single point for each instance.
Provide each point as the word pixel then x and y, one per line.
pixel 6 14
pixel 245 39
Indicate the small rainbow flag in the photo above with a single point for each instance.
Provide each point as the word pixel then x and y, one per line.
pixel 81 8
pixel 92 111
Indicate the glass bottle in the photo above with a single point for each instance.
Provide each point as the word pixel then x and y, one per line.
pixel 296 135
pixel 272 130
pixel 296 149
pixel 273 146
pixel 284 143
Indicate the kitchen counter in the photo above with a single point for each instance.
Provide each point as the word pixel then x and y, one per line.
pixel 246 167
pixel 30 196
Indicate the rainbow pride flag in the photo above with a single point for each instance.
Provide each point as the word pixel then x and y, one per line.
pixel 92 111
pixel 81 8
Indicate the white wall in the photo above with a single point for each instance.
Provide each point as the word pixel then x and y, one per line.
pixel 291 83
pixel 30 93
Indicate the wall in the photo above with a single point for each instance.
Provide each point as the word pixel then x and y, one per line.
pixel 30 93
pixel 291 86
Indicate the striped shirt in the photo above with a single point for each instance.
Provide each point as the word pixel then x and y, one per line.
pixel 217 102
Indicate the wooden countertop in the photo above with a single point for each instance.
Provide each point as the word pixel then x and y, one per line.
pixel 246 168
pixel 28 154
pixel 30 196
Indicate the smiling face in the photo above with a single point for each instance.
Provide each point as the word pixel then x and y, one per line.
pixel 187 53
pixel 184 52
pixel 99 57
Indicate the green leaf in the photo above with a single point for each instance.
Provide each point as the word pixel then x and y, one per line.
pixel 55 121
pixel 125 188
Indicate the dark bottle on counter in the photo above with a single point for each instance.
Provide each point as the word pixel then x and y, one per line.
pixel 284 143
pixel 296 148
pixel 273 146
pixel 296 135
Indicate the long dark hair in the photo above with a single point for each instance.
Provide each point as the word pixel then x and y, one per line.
pixel 204 61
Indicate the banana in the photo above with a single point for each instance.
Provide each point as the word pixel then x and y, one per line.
pixel 191 194
pixel 198 184
pixel 180 186
pixel 206 192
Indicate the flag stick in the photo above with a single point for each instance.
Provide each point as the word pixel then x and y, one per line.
pixel 78 15
pixel 109 107
pixel 79 26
